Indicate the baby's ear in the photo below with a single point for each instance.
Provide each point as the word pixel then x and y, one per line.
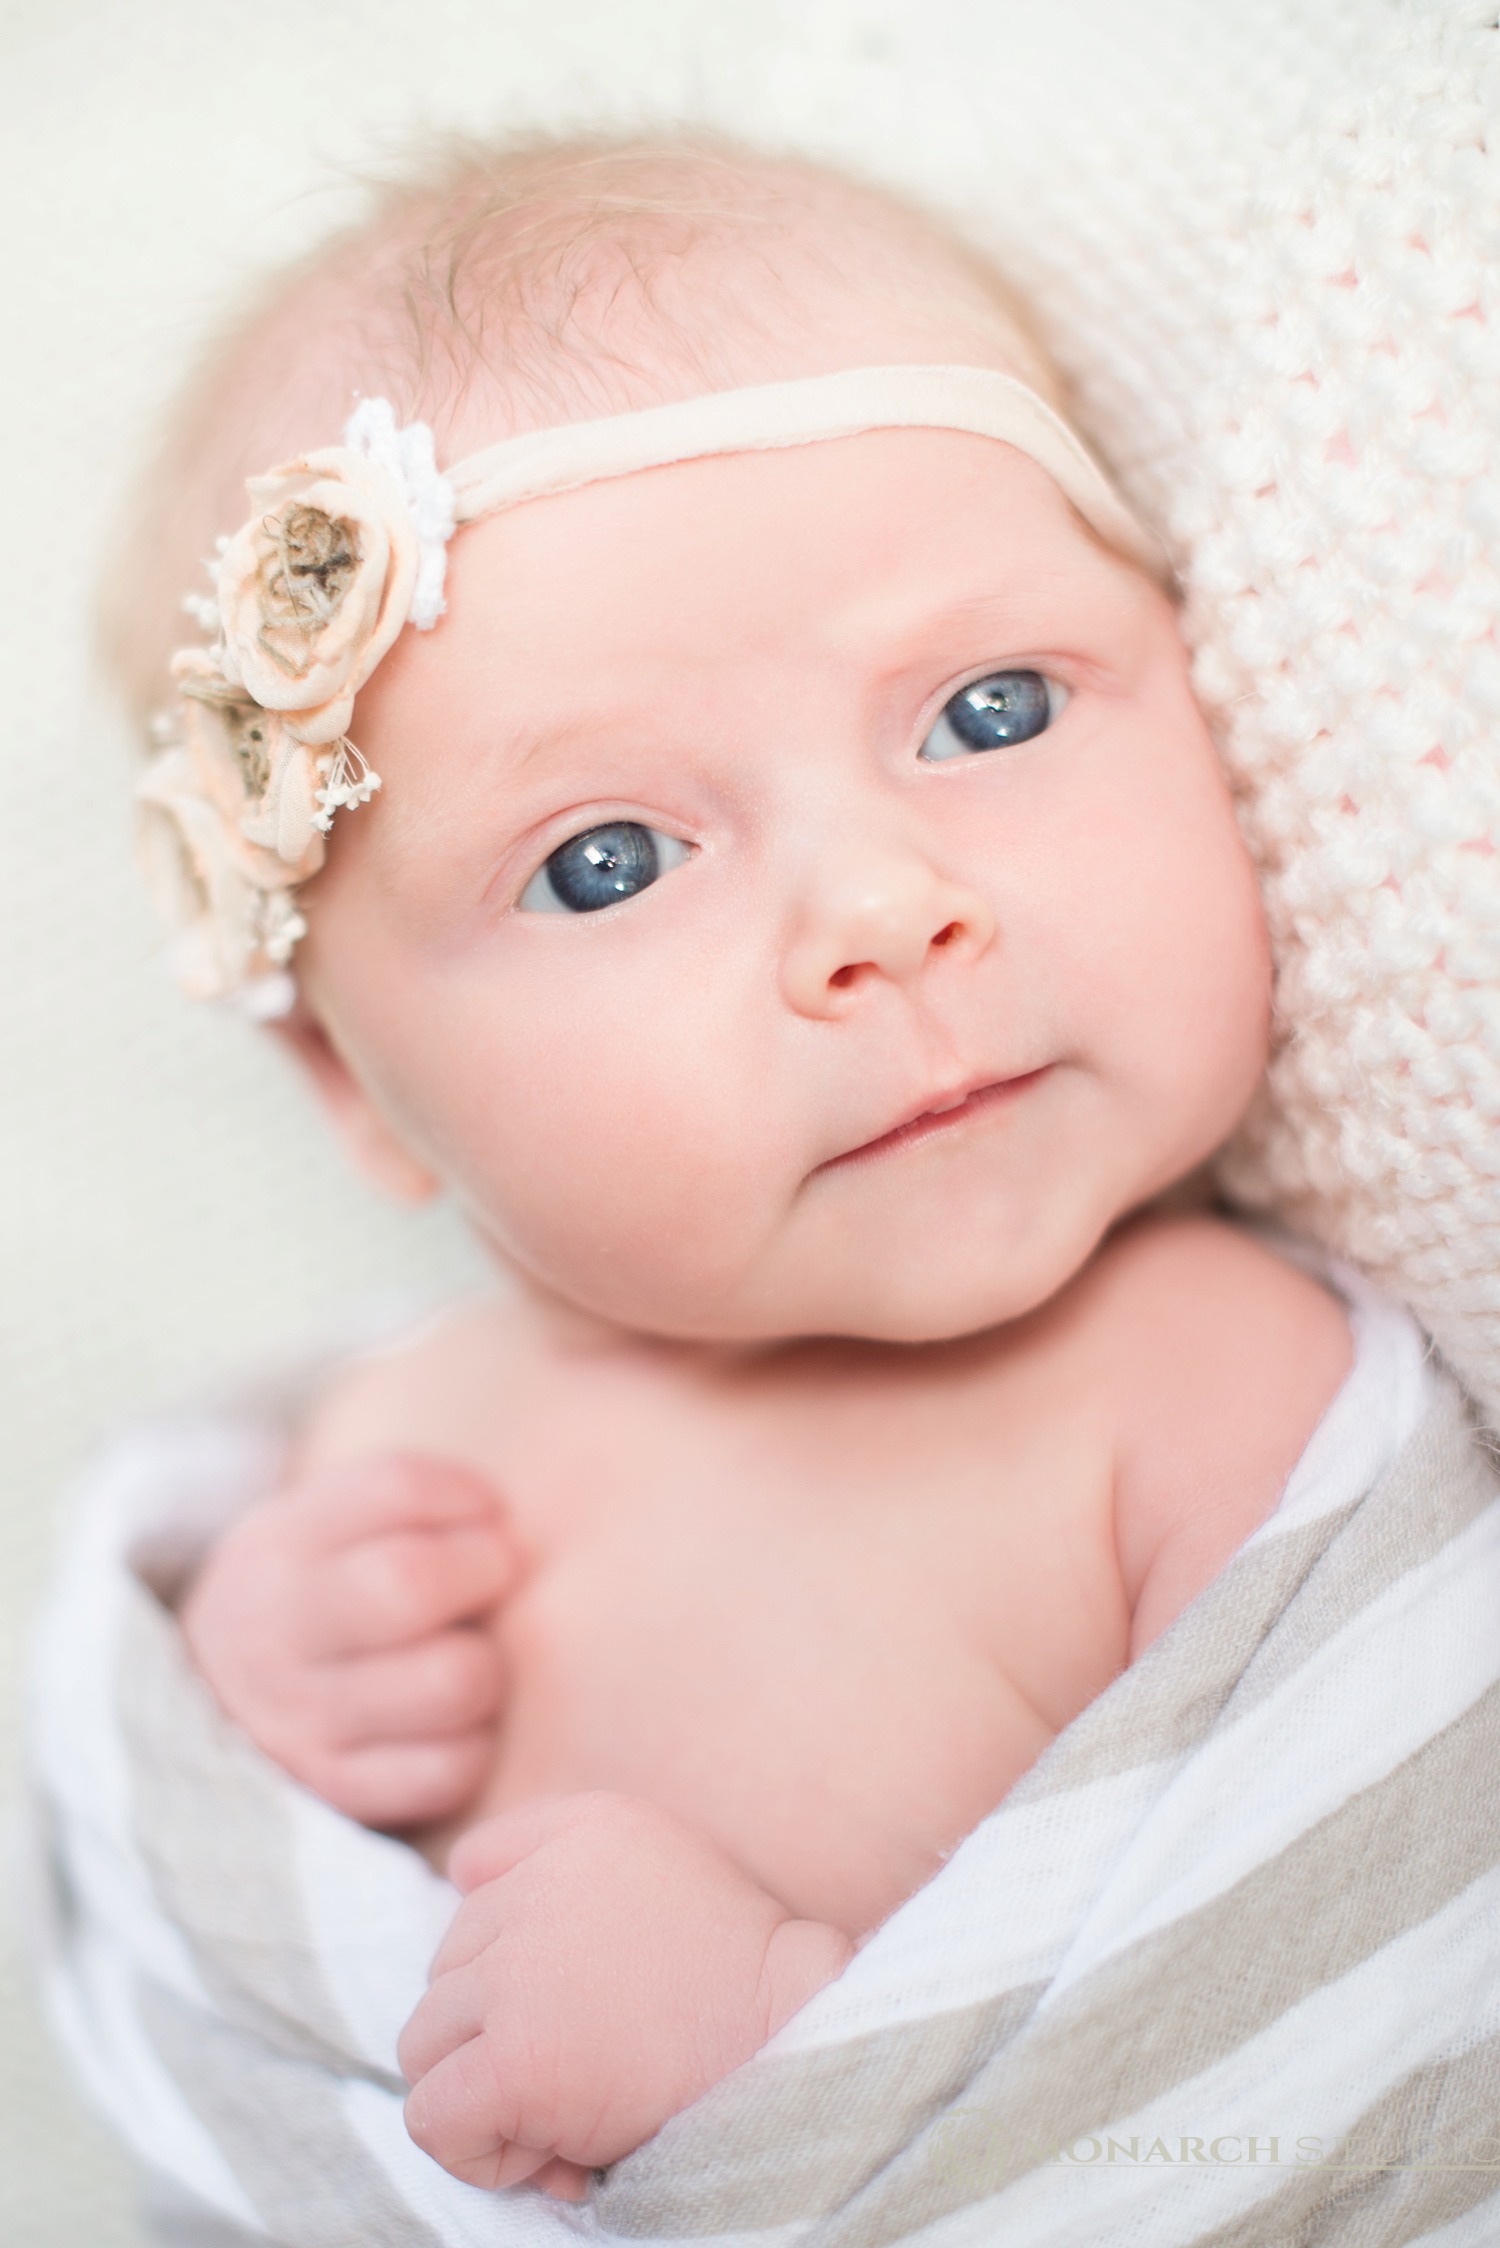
pixel 368 1136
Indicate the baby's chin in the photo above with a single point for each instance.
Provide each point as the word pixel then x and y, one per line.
pixel 937 1308
pixel 950 1292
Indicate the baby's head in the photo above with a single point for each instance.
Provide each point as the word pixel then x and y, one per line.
pixel 802 897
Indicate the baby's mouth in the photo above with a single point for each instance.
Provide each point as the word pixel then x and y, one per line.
pixel 944 1117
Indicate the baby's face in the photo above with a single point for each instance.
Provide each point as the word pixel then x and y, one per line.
pixel 803 897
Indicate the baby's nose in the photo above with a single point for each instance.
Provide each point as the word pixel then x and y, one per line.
pixel 882 914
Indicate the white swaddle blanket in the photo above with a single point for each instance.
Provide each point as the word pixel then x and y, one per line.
pixel 1223 1968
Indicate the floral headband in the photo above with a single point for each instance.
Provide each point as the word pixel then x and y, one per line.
pixel 345 546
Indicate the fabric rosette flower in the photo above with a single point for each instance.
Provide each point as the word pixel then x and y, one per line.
pixel 344 547
pixel 264 780
pixel 235 928
pixel 315 587
pixel 232 817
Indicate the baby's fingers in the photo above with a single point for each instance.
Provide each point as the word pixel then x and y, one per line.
pixel 451 1683
pixel 491 1849
pixel 360 1498
pixel 449 2016
pixel 397 1784
pixel 407 1585
pixel 565 2181
pixel 456 2112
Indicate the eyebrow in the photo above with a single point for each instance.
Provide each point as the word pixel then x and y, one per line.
pixel 523 744
pixel 507 756
pixel 890 636
pixel 904 641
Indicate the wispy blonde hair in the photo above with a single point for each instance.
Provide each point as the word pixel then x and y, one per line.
pixel 524 281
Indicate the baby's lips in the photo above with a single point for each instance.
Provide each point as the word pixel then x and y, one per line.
pixel 939 1110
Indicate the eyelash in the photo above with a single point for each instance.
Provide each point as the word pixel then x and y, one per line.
pixel 998 720
pixel 615 860
pixel 599 864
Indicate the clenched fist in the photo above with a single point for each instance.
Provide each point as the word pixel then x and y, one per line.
pixel 347 1625
pixel 608 1964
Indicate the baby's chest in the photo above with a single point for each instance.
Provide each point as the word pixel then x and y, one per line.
pixel 834 1641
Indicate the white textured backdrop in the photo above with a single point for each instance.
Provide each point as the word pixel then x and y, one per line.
pixel 168 1209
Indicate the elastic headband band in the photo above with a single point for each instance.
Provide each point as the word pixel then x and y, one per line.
pixel 977 401
pixel 346 545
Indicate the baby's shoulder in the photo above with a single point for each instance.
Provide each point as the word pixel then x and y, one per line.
pixel 1196 1289
pixel 433 1390
pixel 1221 1357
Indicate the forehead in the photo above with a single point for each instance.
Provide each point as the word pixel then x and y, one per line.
pixel 675 631
pixel 838 549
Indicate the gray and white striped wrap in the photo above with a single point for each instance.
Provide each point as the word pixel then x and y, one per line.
pixel 1223 1969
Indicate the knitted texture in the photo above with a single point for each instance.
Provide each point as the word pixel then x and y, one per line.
pixel 1292 354
pixel 1344 596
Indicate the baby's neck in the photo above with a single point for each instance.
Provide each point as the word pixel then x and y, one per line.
pixel 563 1330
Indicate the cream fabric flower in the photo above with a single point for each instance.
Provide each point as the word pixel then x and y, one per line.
pixel 314 588
pixel 250 764
pixel 227 901
pixel 343 548
pixel 231 818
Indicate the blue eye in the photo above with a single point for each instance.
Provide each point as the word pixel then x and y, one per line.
pixel 601 867
pixel 997 712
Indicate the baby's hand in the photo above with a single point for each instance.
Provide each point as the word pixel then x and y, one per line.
pixel 608 1964
pixel 345 1625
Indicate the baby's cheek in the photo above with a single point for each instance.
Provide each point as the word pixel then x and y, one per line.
pixel 626 1157
pixel 1192 988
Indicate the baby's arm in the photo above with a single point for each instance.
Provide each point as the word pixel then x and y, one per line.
pixel 609 1963
pixel 343 1624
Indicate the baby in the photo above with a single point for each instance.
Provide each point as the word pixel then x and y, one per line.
pixel 803 921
